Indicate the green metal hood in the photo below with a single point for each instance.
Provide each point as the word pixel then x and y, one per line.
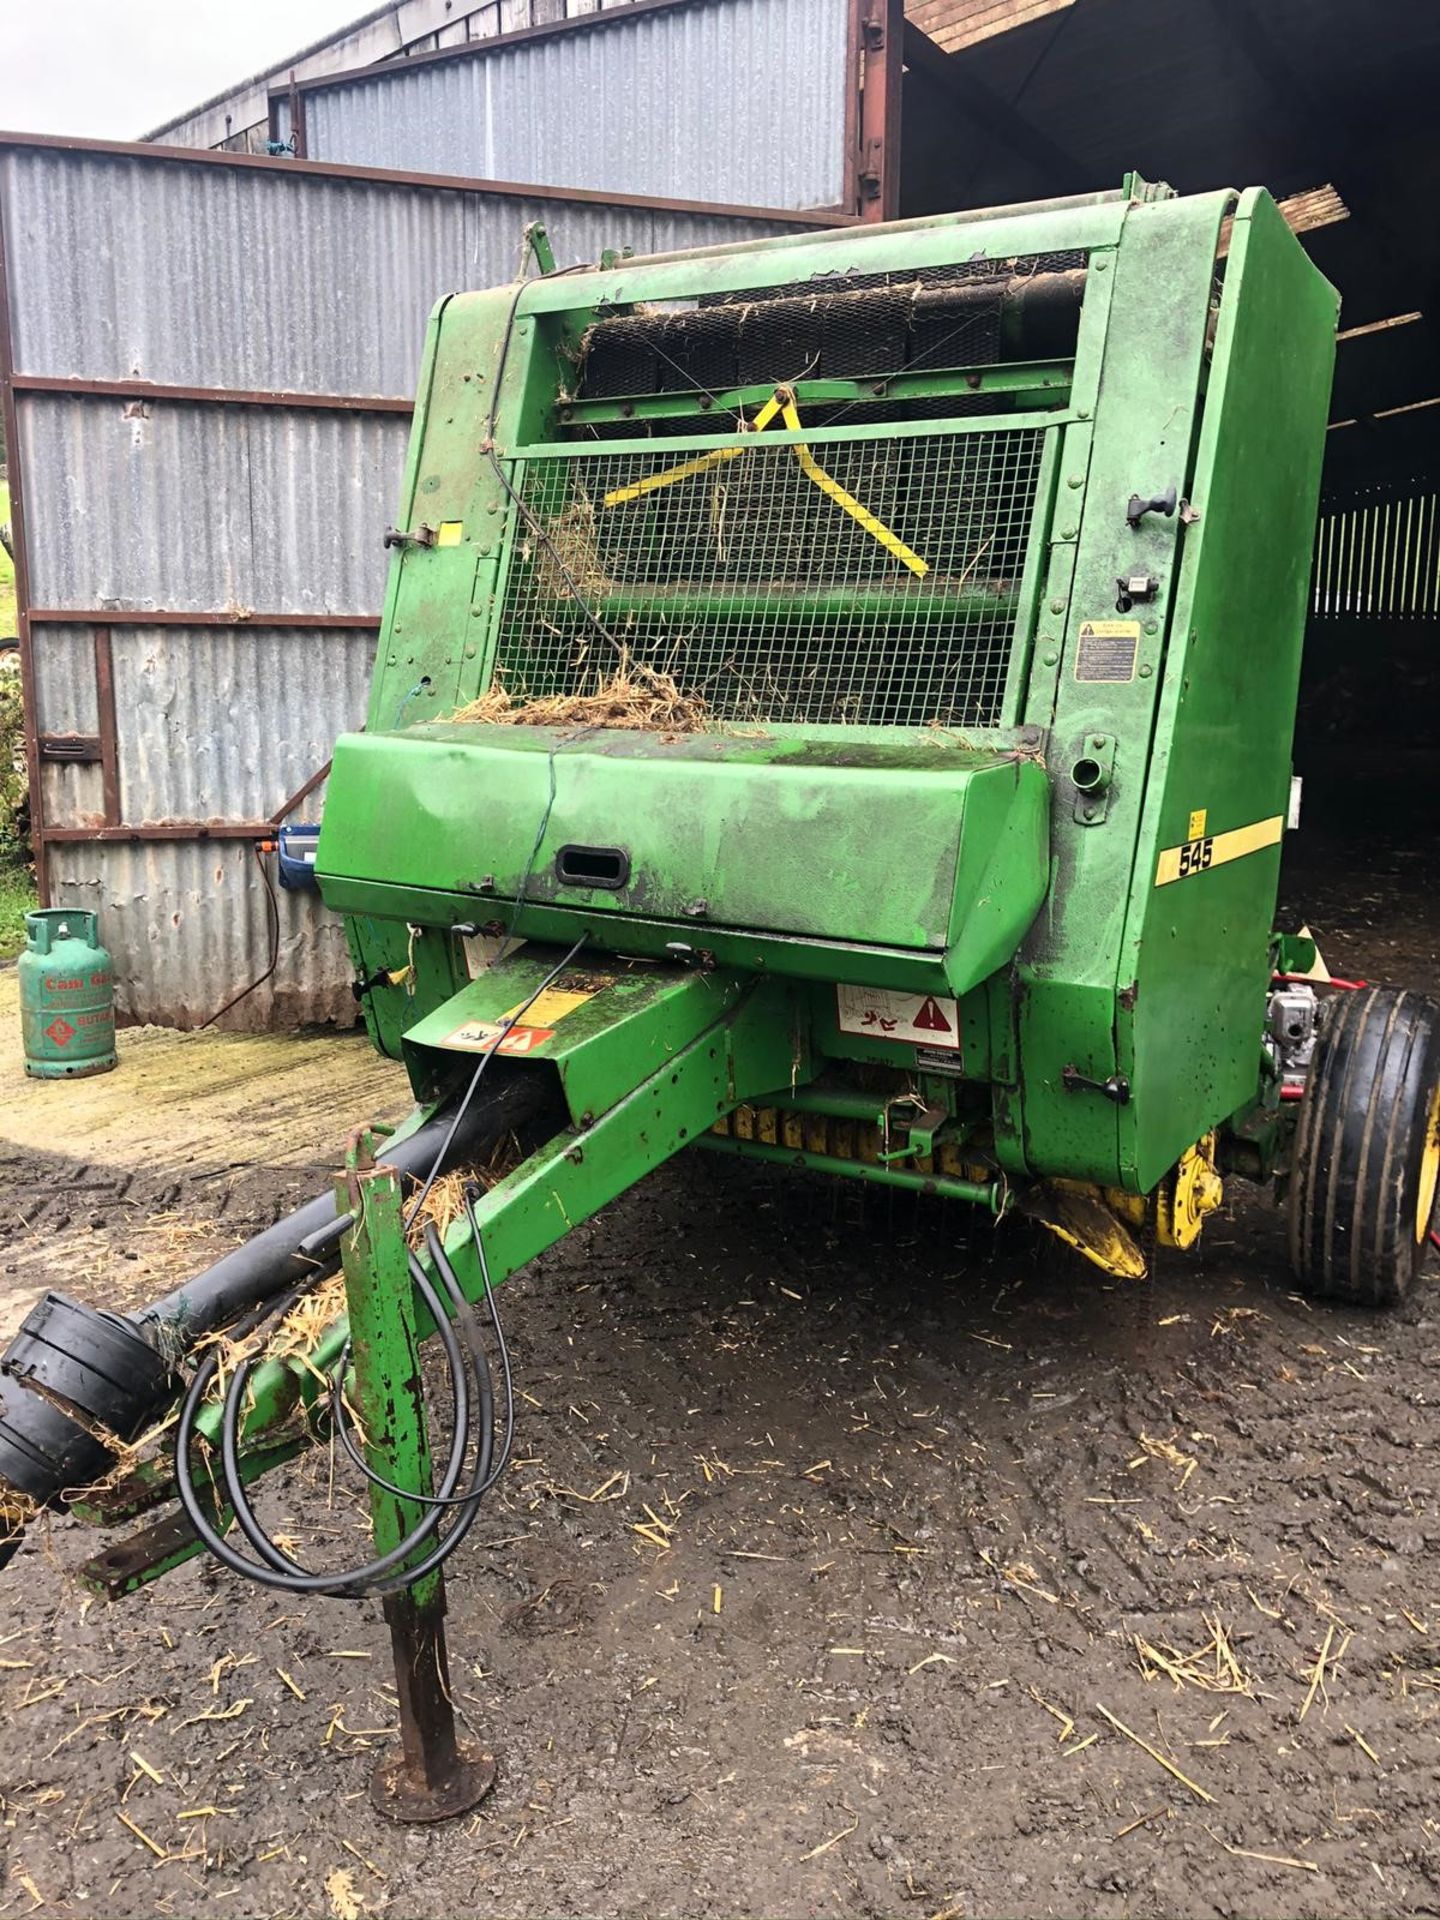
pixel 911 841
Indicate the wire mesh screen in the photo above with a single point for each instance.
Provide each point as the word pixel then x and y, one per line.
pixel 874 582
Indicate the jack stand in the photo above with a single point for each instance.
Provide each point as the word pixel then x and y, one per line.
pixel 434 1774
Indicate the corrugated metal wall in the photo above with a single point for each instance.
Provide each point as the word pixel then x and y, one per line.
pixel 742 101
pixel 210 366
pixel 238 120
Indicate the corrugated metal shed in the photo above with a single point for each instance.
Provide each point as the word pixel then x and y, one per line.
pixel 238 119
pixel 144 505
pixel 740 101
pixel 209 365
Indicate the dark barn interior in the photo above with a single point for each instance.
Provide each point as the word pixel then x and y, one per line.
pixel 1331 107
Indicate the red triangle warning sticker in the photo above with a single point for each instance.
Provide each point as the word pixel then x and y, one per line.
pixel 931 1018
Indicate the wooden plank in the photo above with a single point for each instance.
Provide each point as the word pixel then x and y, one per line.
pixel 953 24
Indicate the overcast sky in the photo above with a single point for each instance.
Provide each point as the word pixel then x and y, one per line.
pixel 115 68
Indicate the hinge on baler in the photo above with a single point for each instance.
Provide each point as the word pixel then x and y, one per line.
pixel 422 536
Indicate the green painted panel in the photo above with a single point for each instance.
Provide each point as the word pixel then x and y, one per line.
pixel 1196 948
pixel 911 842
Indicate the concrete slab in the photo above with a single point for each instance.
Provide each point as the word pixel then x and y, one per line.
pixel 166 1141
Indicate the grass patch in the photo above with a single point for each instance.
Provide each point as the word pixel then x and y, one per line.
pixel 17 898
pixel 9 623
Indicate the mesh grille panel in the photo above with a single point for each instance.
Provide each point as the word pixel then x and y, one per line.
pixel 864 581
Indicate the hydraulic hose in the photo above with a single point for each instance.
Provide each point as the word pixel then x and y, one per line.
pixel 387 1572
pixel 298 1247
pixel 280 1570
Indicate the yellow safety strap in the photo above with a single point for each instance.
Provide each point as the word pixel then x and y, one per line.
pixel 862 516
pixel 653 483
pixel 781 405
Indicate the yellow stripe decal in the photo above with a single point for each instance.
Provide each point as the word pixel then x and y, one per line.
pixel 1214 849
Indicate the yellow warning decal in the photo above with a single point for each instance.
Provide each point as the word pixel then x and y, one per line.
pixel 1107 651
pixel 534 1025
pixel 1197 824
pixel 449 533
pixel 1214 849
pixel 552 1005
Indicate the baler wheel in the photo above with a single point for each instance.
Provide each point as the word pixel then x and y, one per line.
pixel 1367 1150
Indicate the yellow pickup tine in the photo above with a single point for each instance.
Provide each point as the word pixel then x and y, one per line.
pixel 654 481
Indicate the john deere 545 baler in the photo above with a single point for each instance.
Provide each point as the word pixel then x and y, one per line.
pixel 959 568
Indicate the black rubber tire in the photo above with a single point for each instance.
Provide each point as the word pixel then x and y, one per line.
pixel 1360 1149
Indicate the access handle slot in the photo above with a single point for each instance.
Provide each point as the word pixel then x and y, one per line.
pixel 577 866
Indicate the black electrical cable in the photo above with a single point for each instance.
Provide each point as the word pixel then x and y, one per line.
pixel 279 1570
pixel 515 1018
pixel 272 916
pixel 460 1408
pixel 482 1478
pixel 465 1313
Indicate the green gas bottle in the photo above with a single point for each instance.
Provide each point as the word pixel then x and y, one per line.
pixel 67 996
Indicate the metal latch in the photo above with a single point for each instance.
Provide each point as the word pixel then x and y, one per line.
pixel 1116 1088
pixel 1163 503
pixel 1134 587
pixel 871 169
pixel 919 1135
pixel 423 536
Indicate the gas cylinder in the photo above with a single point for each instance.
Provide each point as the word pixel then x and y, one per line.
pixel 67 996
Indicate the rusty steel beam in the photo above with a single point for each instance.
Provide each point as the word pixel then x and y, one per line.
pixel 163 830
pixel 22 577
pixel 854 71
pixel 141 617
pixel 443 182
pixel 301 793
pixel 109 727
pixel 223 396
pixel 882 30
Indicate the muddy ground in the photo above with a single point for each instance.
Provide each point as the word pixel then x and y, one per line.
pixel 927 1492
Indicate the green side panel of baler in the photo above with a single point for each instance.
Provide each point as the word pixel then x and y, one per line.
pixel 436 629
pixel 1149 396
pixel 1197 947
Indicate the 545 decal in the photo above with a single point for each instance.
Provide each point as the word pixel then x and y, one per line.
pixel 1201 852
pixel 1196 856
